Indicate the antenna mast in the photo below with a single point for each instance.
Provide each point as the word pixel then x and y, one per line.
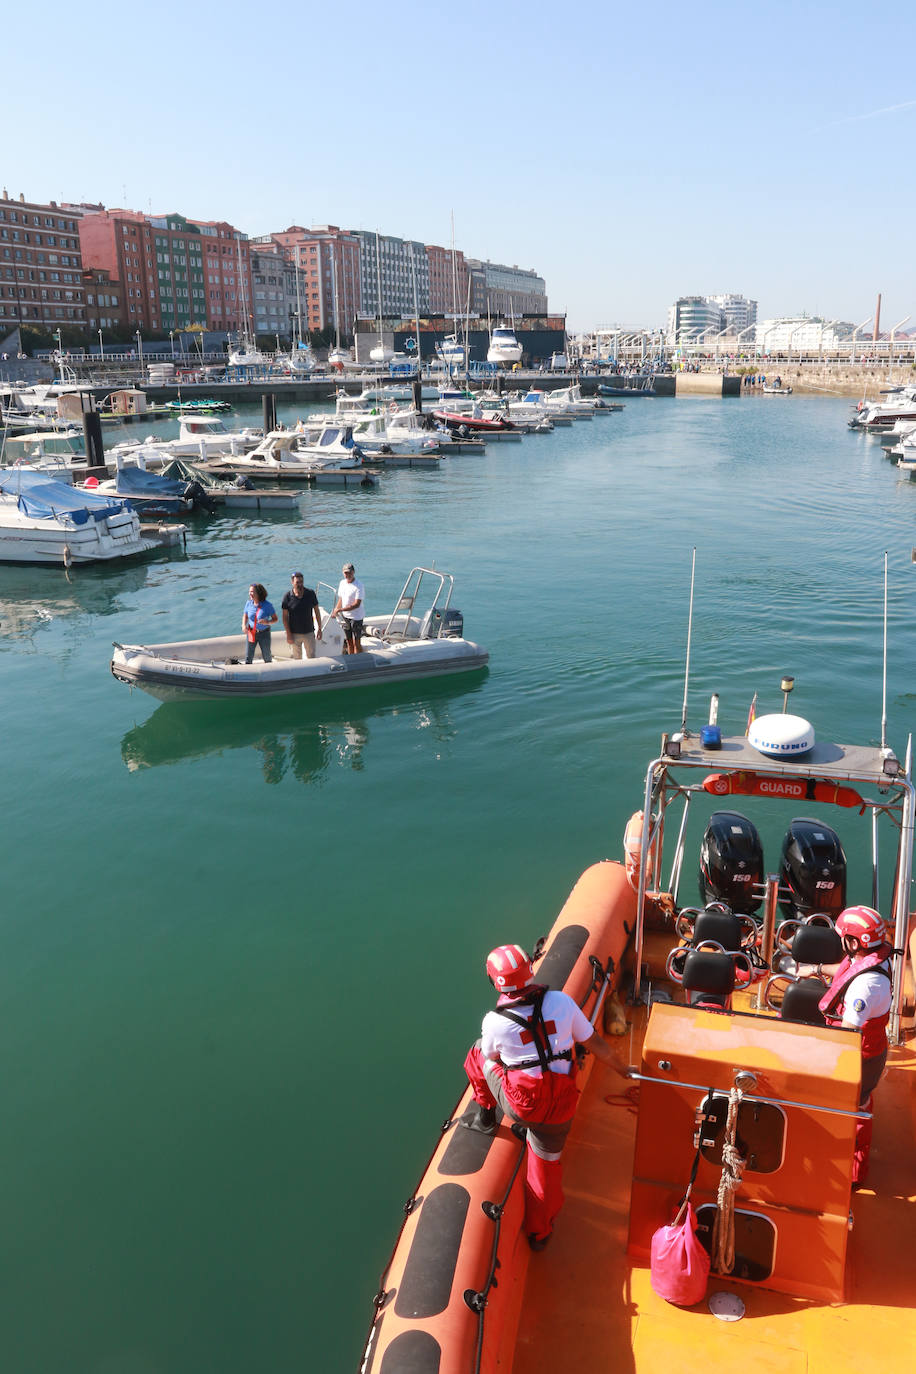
pixel 884 665
pixel 693 568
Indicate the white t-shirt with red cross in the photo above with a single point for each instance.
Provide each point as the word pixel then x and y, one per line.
pixel 565 1022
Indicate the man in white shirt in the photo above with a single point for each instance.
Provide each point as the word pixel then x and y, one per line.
pixel 525 1063
pixel 349 605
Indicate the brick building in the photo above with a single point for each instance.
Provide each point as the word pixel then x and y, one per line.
pixel 41 266
pixel 448 281
pixel 174 272
pixel 329 264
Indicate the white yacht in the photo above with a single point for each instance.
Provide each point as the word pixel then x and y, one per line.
pixel 504 347
pixel 452 352
pixel 43 520
pixel 199 436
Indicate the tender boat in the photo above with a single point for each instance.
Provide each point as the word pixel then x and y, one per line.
pixel 468 415
pixel 725 1066
pixel 43 520
pixel 774 390
pixel 421 638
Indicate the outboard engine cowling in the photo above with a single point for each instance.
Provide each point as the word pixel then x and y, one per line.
pixel 812 875
pixel 731 862
pixel 452 624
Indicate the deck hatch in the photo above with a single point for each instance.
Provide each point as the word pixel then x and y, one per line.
pixel 760 1135
pixel 755 1242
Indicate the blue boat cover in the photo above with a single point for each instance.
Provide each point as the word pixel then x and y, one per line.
pixel 43 498
pixel 139 482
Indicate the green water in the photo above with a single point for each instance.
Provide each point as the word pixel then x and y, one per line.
pixel 243 943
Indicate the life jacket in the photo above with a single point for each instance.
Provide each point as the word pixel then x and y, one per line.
pixel 534 1030
pixel 832 1004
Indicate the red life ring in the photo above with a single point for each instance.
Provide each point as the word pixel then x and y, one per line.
pixel 770 785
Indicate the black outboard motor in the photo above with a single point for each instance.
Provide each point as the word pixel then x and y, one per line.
pixel 731 862
pixel 812 875
pixel 452 624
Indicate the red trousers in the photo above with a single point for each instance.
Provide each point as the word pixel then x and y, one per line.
pixel 544 1104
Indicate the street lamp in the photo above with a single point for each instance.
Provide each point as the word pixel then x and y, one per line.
pixel 172 342
pixel 101 346
pixel 60 352
pixel 139 349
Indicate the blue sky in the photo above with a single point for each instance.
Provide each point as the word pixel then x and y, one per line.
pixel 629 153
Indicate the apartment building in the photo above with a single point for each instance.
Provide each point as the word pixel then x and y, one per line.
pixel 505 291
pixel 174 272
pixel 448 280
pixel 274 296
pixel 738 313
pixel 104 300
pixel 41 266
pixel 400 266
pixel 329 262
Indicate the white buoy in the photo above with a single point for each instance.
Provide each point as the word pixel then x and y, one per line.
pixel 781 736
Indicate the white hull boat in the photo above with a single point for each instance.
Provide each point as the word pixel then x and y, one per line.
pixel 47 521
pixel 419 639
pixel 504 349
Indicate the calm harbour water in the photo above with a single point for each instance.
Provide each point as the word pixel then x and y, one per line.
pixel 243 943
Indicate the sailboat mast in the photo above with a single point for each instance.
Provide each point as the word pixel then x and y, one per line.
pixel 298 340
pixel 378 267
pixel 416 308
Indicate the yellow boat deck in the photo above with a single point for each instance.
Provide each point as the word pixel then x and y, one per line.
pixel 587 1306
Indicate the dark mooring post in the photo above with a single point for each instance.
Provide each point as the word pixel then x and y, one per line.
pixel 270 411
pixel 92 433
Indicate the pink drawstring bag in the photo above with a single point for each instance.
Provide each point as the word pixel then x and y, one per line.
pixel 679 1267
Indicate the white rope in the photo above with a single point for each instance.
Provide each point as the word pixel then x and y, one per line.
pixel 723 1235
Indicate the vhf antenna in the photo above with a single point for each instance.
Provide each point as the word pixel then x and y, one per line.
pixel 884 666
pixel 693 568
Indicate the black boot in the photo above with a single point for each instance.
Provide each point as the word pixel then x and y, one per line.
pixel 480 1119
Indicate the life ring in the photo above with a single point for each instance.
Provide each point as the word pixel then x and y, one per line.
pixel 632 851
pixel 746 784
pixel 393 408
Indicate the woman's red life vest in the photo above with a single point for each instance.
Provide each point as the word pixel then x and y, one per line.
pixel 832 1004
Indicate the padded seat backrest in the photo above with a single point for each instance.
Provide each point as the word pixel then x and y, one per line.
pixel 800 1001
pixel 817 944
pixel 709 970
pixel 721 926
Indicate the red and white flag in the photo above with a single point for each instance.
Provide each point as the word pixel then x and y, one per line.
pixel 751 715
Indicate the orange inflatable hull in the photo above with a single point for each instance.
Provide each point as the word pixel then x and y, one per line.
pixel 455 1281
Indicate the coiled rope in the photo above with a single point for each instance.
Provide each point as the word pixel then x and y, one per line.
pixel 723 1234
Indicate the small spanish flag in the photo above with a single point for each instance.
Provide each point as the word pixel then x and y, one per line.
pixel 751 715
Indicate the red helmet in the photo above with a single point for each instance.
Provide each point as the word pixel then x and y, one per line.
pixel 509 968
pixel 862 924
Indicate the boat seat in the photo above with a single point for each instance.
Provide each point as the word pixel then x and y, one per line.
pixel 810 941
pixel 800 1002
pixel 716 922
pixel 709 977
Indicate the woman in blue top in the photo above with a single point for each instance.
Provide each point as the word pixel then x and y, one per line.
pixel 257 619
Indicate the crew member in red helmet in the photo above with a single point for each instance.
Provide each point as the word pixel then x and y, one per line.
pixel 859 997
pixel 525 1063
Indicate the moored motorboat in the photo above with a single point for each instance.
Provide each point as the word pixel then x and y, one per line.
pixel 422 637
pixel 729 1081
pixel 47 521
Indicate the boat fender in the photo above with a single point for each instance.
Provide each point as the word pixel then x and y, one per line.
pixel 797 789
pixel 632 848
